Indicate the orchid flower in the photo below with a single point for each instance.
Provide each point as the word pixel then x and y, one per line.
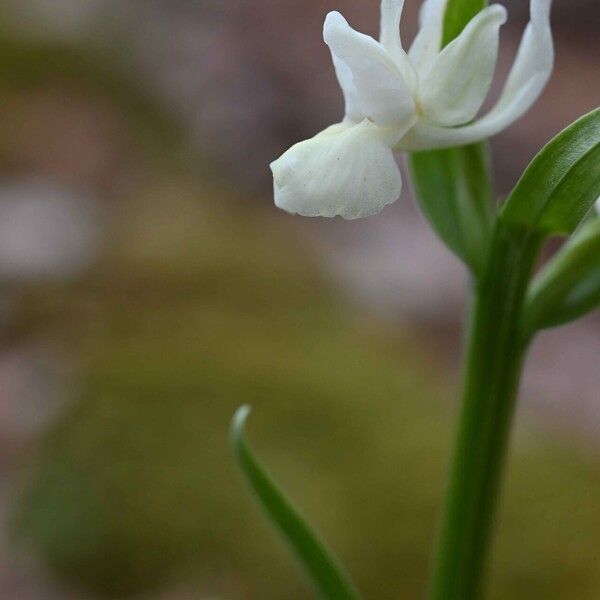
pixel 425 99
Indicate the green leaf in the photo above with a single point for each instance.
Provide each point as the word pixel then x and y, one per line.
pixel 323 570
pixel 562 182
pixel 453 188
pixel 458 14
pixel 569 286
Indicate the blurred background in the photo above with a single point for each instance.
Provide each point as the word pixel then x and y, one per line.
pixel 148 287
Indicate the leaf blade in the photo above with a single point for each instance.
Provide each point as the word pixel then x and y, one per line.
pixel 562 182
pixel 322 568
pixel 569 286
pixel 453 188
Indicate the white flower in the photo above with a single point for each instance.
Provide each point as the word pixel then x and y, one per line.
pixel 425 99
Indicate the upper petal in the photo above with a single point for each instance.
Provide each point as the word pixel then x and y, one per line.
pixel 347 170
pixel 389 37
pixel 529 74
pixel 389 30
pixel 427 43
pixel 370 79
pixel 534 63
pixel 453 88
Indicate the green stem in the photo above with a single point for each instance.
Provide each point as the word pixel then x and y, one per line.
pixel 495 356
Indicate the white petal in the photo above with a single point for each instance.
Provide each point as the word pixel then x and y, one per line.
pixel 372 83
pixel 454 87
pixel 391 13
pixel 535 59
pixel 428 41
pixel 389 36
pixel 347 170
pixel 530 73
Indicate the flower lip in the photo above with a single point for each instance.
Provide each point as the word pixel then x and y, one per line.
pixel 347 170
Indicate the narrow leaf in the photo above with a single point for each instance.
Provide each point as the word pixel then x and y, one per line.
pixel 453 189
pixel 324 571
pixel 569 286
pixel 458 14
pixel 562 182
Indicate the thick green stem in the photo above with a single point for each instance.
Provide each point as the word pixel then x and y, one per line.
pixel 495 355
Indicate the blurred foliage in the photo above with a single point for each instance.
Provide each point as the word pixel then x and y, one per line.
pixel 33 64
pixel 202 303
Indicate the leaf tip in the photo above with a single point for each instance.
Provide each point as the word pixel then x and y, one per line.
pixel 238 422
